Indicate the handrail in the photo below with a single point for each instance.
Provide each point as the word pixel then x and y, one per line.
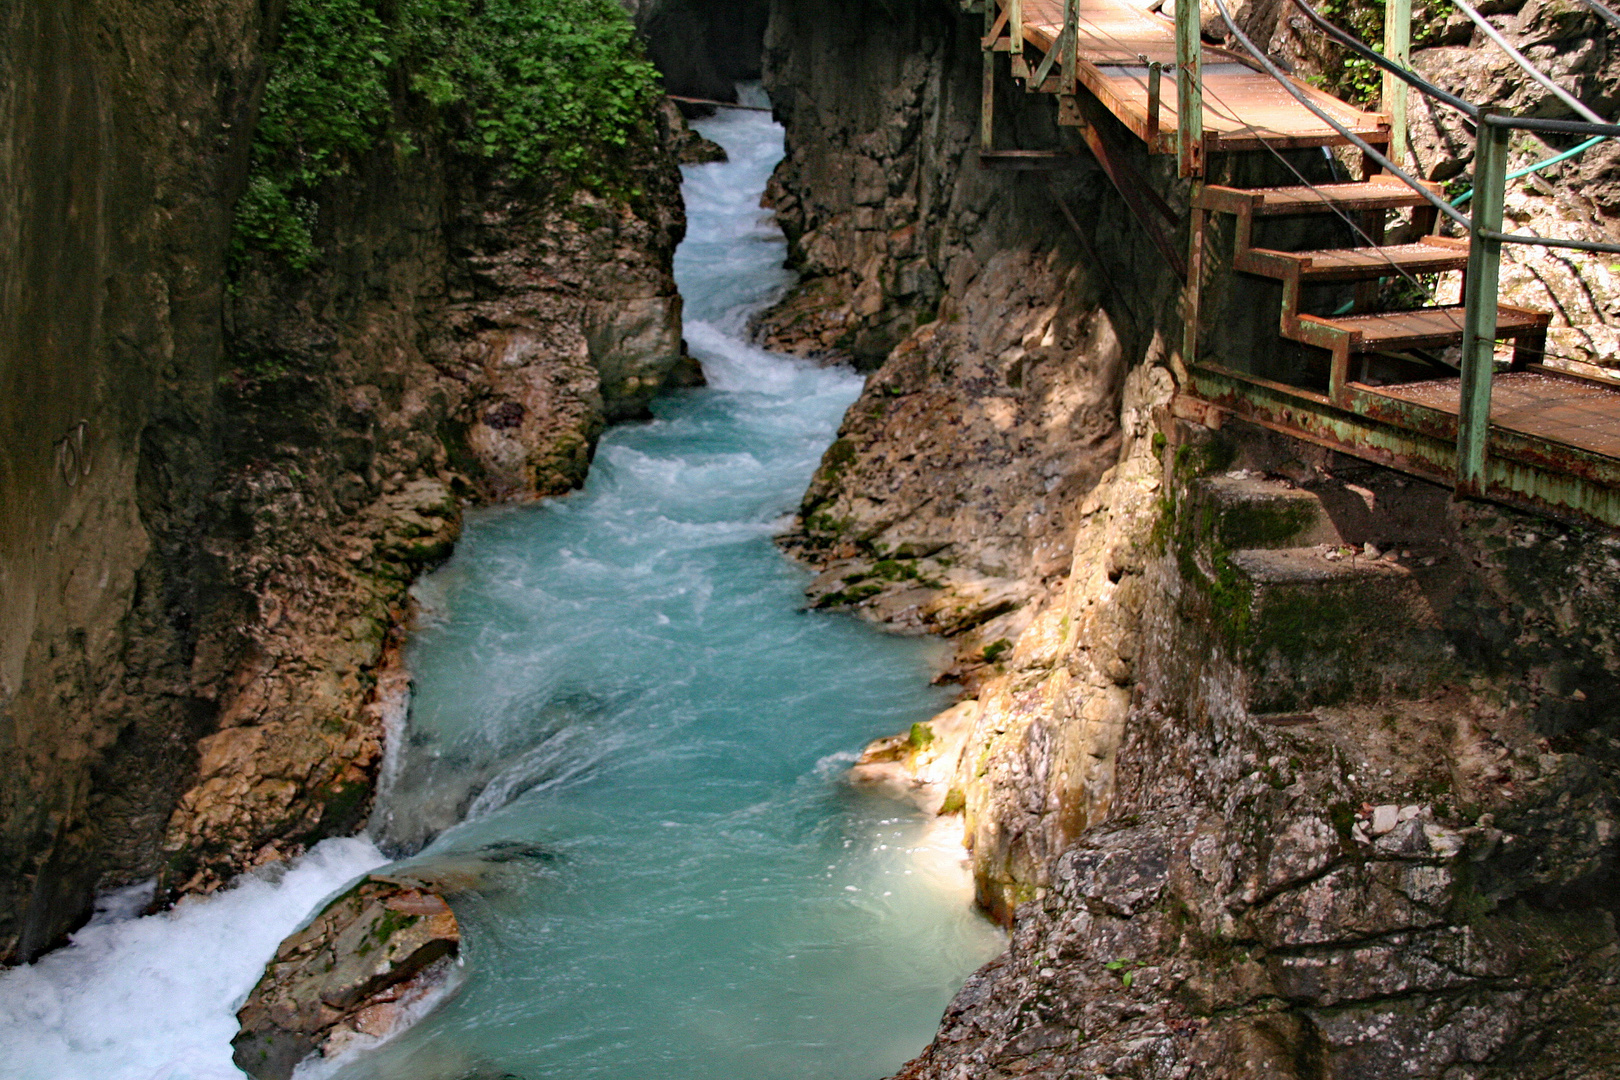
pixel 1529 68
pixel 1559 127
pixel 1604 13
pixel 1384 62
pixel 1550 241
pixel 1363 145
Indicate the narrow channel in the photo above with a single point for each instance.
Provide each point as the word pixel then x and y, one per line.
pixel 627 743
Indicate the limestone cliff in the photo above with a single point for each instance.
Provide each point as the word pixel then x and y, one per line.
pixel 116 185
pixel 1276 764
pixel 214 501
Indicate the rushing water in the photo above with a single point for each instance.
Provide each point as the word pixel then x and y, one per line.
pixel 627 745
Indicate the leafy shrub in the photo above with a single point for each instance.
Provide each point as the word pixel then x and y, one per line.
pixel 554 90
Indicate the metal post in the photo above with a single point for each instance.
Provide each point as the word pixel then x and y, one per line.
pixel 1071 44
pixel 1015 26
pixel 1155 92
pixel 1189 90
pixel 1479 307
pixel 1062 50
pixel 987 106
pixel 1398 47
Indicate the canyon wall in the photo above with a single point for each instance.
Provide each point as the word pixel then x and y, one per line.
pixel 703 48
pixel 213 499
pixel 117 180
pixel 1275 763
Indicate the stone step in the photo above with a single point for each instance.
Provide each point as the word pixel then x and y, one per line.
pixel 1319 625
pixel 1247 510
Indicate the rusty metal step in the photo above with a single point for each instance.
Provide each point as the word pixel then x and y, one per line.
pixel 1421 328
pixel 1433 254
pixel 1374 193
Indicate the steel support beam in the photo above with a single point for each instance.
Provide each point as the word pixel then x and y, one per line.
pixel 1189 90
pixel 1479 302
pixel 1398 48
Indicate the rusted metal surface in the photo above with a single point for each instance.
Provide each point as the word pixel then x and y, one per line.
pixel 1522 468
pixel 1562 410
pixel 1144 202
pixel 1424 327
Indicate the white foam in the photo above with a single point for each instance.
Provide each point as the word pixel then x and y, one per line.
pixel 155 998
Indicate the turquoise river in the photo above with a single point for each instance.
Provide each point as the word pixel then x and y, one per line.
pixel 627 733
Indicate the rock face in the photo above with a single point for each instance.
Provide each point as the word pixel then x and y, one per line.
pixel 203 583
pixel 355 970
pixel 468 341
pixel 1261 809
pixel 124 133
pixel 703 48
pixel 1276 764
pixel 1001 310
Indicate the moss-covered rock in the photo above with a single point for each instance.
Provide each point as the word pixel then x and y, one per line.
pixel 355 970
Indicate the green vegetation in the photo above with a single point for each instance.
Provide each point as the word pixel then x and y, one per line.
pixel 996 650
pixel 554 90
pixel 920 737
pixel 1122 968
pixel 1352 77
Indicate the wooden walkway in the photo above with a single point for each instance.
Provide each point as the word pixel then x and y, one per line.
pixel 1552 443
pixel 1118 39
pixel 1558 408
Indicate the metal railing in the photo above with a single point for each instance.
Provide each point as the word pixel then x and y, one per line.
pixel 1484 224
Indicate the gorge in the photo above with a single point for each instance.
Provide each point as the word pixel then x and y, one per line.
pixel 1272 761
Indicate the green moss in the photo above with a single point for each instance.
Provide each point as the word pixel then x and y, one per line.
pixel 996 649
pixel 920 737
pixel 844 597
pixel 1261 523
pixel 342 807
pixel 839 456
pixel 955 801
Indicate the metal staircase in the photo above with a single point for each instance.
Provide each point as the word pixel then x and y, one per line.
pixel 1549 441
pixel 1362 331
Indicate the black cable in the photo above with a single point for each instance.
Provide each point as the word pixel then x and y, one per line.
pixel 1386 63
pixel 1362 144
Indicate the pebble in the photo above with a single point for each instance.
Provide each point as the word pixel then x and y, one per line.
pixel 1385 818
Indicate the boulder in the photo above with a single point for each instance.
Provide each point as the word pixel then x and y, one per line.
pixel 355 970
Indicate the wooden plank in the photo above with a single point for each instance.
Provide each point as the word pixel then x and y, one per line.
pixel 1377 193
pixel 1573 412
pixel 1244 107
pixel 1354 264
pixel 1425 326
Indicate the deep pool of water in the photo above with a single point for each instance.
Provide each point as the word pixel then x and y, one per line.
pixel 630 741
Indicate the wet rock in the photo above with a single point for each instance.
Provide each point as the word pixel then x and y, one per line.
pixel 921 764
pixel 359 970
